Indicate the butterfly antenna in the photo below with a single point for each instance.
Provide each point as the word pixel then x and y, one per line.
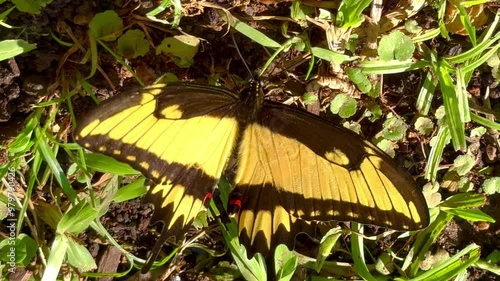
pixel 241 56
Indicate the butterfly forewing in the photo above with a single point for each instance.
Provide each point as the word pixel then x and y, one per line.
pixel 180 137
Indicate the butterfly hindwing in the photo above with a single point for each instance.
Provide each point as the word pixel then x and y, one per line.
pixel 263 223
pixel 318 172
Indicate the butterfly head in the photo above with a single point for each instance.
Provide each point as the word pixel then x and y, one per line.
pixel 252 99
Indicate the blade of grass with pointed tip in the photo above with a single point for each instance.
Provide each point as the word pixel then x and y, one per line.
pixel 473 52
pixel 464 200
pixel 108 164
pixel 57 171
pixel 428 35
pixel 249 31
pixel 424 241
pixel 121 61
pixel 130 191
pixel 434 159
pixel 253 269
pixel 358 252
pixel 390 67
pixel 331 56
pixel 290 42
pixel 426 94
pixel 461 92
pixel 327 243
pixel 470 67
pixel 451 266
pixel 56 257
pixel 485 122
pixel 163 5
pixel 450 101
pixel 470 215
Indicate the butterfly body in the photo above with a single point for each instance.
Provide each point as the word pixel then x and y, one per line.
pixel 291 168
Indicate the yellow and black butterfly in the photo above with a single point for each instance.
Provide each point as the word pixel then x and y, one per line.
pixel 291 167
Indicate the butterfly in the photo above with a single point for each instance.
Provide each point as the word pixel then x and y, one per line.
pixel 289 168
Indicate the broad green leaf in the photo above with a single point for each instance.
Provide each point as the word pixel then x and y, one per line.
pixel 449 268
pixel 77 218
pixel 285 263
pixel 375 91
pixel 23 141
pixel 46 151
pixel 106 26
pixel 424 125
pixel 478 132
pixel 358 252
pixel 463 164
pixel 485 121
pixel 396 46
pixel 412 26
pixel 490 263
pixel 494 257
pixel 309 98
pixel 373 112
pixel 131 191
pixel 350 13
pixel 49 213
pixel 426 93
pixel 451 106
pixel 253 269
pixel 299 12
pixel 394 128
pixel 353 126
pixel 182 48
pixel 325 249
pixel 79 257
pixel 391 66
pixel 12 48
pixel 384 264
pixel 108 164
pixel 31 6
pixel 343 105
pixel 360 79
pixel 424 241
pixel 386 145
pixel 17 250
pixel 491 185
pixel 132 44
pixel 325 14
